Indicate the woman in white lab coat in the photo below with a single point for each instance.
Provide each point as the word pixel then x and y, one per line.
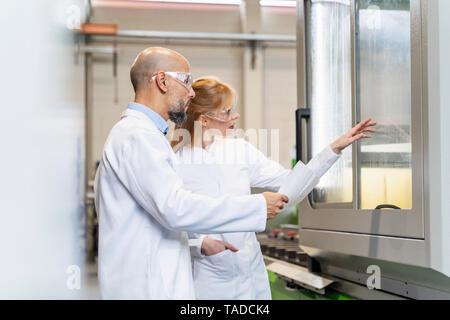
pixel 230 265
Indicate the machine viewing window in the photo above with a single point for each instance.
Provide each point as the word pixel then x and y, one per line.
pixel 330 93
pixel 383 60
pixel 359 66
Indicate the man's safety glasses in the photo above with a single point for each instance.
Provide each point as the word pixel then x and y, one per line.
pixel 184 77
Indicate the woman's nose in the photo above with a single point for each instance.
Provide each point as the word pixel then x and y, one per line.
pixel 235 116
pixel 191 93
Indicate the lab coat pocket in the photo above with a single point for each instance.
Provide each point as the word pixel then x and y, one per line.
pixel 218 255
pixel 220 265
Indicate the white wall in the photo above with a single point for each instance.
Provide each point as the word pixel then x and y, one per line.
pixel 280 97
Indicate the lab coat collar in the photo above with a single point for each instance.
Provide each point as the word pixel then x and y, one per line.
pixel 159 121
pixel 139 115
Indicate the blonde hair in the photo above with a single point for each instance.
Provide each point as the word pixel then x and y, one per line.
pixel 210 95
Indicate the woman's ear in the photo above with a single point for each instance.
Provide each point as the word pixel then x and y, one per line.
pixel 203 119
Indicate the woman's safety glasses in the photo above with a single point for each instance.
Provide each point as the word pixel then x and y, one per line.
pixel 223 115
pixel 185 78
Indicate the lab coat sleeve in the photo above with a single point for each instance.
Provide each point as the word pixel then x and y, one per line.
pixel 303 179
pixel 266 173
pixel 195 244
pixel 144 165
pixel 323 161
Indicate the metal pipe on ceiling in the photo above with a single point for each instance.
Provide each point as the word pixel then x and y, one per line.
pixel 212 36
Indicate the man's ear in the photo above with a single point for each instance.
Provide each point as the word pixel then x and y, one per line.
pixel 161 80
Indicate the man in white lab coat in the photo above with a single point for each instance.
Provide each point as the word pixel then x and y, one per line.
pixel 144 212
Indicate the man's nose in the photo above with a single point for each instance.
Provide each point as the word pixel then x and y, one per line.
pixel 236 116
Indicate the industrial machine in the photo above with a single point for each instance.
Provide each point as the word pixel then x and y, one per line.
pixel 378 224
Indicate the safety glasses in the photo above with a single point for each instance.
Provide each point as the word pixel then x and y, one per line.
pixel 223 115
pixel 185 78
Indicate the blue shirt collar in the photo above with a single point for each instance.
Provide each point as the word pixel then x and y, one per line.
pixel 159 121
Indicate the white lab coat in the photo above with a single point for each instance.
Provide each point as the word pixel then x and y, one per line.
pixel 144 211
pixel 232 166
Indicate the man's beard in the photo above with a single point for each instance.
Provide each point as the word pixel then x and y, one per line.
pixel 177 114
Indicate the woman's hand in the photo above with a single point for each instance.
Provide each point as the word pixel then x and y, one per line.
pixel 211 247
pixel 354 134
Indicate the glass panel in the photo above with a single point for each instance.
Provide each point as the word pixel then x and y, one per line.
pixel 330 92
pixel 384 82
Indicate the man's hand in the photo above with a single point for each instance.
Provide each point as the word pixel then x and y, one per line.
pixel 275 203
pixel 211 247
pixel 354 134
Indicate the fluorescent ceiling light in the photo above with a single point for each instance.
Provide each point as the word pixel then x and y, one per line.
pixel 278 3
pixel 227 2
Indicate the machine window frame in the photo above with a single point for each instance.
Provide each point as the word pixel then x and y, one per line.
pixel 346 217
